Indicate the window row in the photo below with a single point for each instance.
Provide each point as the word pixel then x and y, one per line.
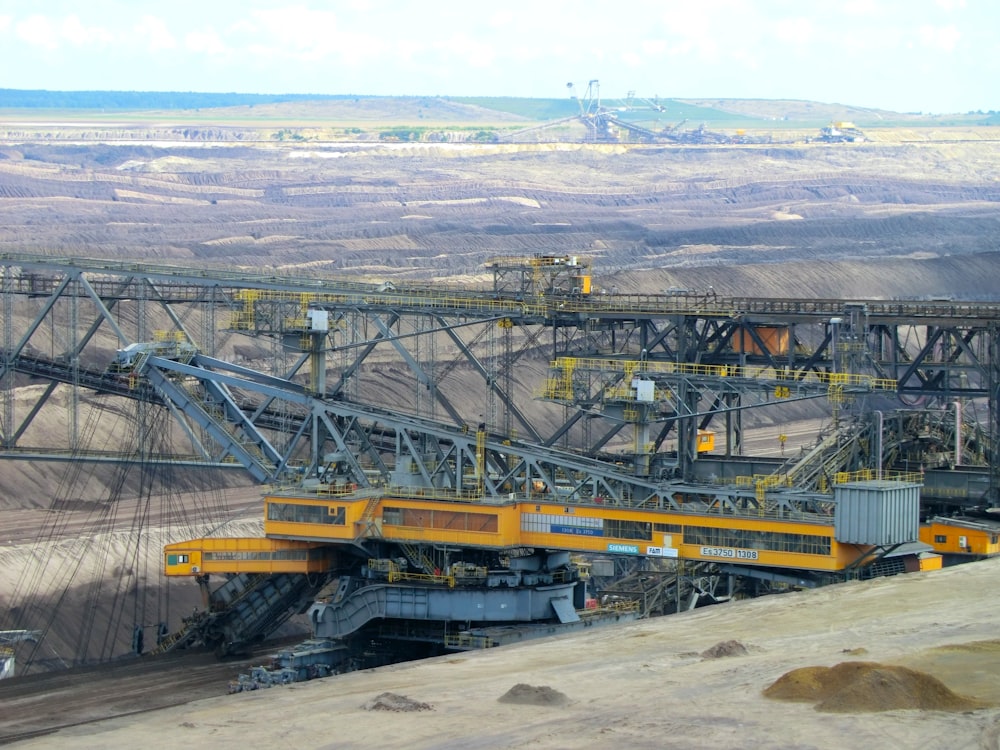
pixel 808 544
pixel 299 513
pixel 281 554
pixel 449 520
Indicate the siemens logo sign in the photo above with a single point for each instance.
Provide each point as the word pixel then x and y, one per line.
pixel 729 553
pixel 627 549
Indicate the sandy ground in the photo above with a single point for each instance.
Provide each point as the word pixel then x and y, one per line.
pixel 637 686
pixel 85 579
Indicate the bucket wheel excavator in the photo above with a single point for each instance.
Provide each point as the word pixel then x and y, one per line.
pixel 602 123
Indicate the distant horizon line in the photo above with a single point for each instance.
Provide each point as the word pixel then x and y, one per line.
pixel 34 98
pixel 316 95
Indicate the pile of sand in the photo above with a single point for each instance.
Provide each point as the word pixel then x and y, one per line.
pixel 862 686
pixel 395 702
pixel 724 648
pixel 531 695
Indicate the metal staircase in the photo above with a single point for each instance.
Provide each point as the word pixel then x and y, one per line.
pixel 834 453
pixel 418 559
pixel 367 527
pixel 246 610
pixel 264 606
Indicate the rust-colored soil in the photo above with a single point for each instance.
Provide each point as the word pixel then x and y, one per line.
pixel 862 686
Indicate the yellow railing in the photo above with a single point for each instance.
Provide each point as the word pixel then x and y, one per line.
pixel 467 641
pixel 763 482
pixel 395 576
pixel 868 475
pixel 629 368
pixel 421 493
pixel 627 393
pixel 622 606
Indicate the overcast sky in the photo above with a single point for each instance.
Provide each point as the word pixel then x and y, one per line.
pixel 906 55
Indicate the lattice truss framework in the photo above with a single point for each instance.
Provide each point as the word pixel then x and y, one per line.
pixel 625 373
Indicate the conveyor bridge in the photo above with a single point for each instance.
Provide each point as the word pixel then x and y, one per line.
pixel 390 423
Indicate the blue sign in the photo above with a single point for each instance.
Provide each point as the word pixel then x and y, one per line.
pixel 558 528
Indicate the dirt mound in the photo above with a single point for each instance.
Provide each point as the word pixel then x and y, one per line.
pixel 532 695
pixel 851 687
pixel 395 702
pixel 977 648
pixel 724 648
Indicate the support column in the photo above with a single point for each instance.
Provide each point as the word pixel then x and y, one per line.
pixel 993 378
pixel 7 381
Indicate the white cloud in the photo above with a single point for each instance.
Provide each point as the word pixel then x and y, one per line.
pixel 206 41
pixel 5 22
pixel 296 29
pixel 406 49
pixel 859 7
pixel 303 35
pixel 709 29
pixel 73 31
pixel 474 52
pixel 41 31
pixel 154 33
pixel 361 49
pixel 794 30
pixel 631 59
pixel 523 53
pixel 38 32
pixel 688 20
pixel 260 54
pixel 50 34
pixel 871 42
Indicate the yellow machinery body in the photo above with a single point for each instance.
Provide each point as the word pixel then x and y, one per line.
pixel 706 441
pixel 245 555
pixel 304 531
pixel 962 536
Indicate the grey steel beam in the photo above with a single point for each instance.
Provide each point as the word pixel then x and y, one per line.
pixel 11 440
pixel 695 330
pixel 41 316
pixel 103 310
pixel 243 377
pixel 260 471
pixel 492 385
pixel 348 372
pixel 321 414
pixel 418 371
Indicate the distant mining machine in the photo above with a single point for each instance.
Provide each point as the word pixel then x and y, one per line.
pixel 602 123
pixel 841 132
pixel 7 640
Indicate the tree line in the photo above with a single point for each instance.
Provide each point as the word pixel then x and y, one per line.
pixel 139 100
